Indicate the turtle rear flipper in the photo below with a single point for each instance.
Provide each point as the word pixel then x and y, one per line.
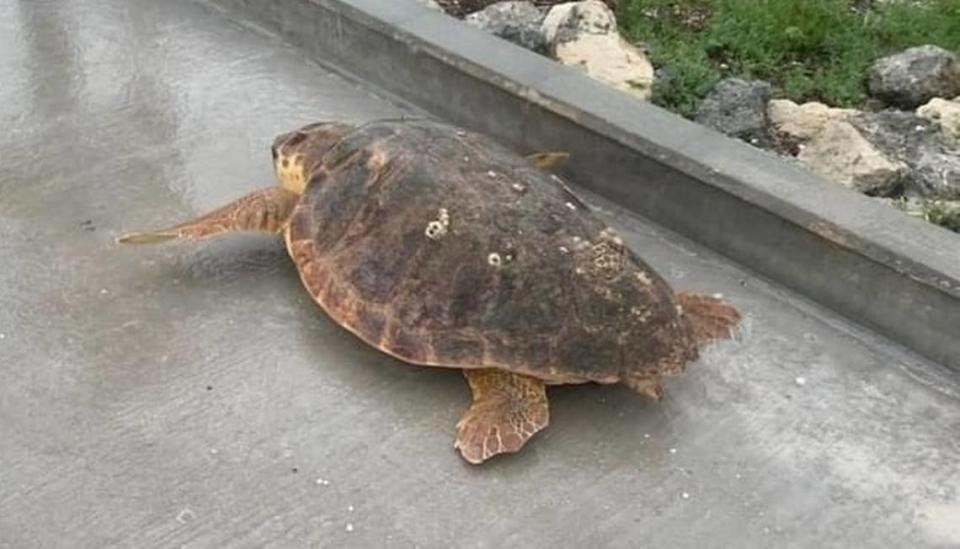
pixel 507 410
pixel 266 210
pixel 711 318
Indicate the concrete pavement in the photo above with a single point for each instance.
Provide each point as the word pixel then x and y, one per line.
pixel 193 395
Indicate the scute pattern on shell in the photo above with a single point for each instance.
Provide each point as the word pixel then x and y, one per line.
pixel 564 301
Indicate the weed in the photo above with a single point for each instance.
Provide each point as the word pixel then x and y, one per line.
pixel 811 50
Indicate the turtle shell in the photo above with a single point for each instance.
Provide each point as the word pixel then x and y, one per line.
pixel 443 248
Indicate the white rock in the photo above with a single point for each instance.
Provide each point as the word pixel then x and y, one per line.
pixel 805 121
pixel 584 35
pixel 612 60
pixel 587 17
pixel 946 114
pixel 432 4
pixel 841 154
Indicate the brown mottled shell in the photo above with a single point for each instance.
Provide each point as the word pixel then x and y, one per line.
pixel 442 248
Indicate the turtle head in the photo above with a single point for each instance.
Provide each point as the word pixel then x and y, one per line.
pixel 297 154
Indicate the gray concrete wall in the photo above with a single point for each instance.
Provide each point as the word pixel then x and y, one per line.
pixel 894 274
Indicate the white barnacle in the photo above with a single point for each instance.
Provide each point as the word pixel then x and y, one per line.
pixel 572 206
pixel 564 250
pixel 437 228
pixel 494 260
pixel 610 234
pixel 518 187
pixel 492 174
pixel 642 315
pixel 644 278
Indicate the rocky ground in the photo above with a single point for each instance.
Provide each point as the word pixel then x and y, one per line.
pixel 905 151
pixel 460 8
pixel 903 148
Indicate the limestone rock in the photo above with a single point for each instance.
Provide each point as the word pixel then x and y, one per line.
pixel 946 114
pixel 584 34
pixel 516 21
pixel 571 19
pixel 914 76
pixel 933 161
pixel 803 122
pixel 839 153
pixel 738 108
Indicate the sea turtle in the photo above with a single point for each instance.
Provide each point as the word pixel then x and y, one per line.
pixel 440 247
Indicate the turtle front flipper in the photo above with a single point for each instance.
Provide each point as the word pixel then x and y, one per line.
pixel 507 410
pixel 266 210
pixel 548 160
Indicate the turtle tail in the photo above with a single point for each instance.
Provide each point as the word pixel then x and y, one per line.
pixel 711 318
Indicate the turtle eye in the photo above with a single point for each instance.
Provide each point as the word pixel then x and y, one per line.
pixel 296 139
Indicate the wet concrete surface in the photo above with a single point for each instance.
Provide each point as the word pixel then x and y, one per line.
pixel 194 396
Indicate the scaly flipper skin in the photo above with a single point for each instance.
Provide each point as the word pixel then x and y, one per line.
pixel 548 160
pixel 507 410
pixel 266 210
pixel 710 317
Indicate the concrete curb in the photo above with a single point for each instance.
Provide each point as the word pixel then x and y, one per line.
pixel 896 275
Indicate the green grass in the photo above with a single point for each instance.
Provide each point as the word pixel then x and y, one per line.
pixel 945 213
pixel 811 50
